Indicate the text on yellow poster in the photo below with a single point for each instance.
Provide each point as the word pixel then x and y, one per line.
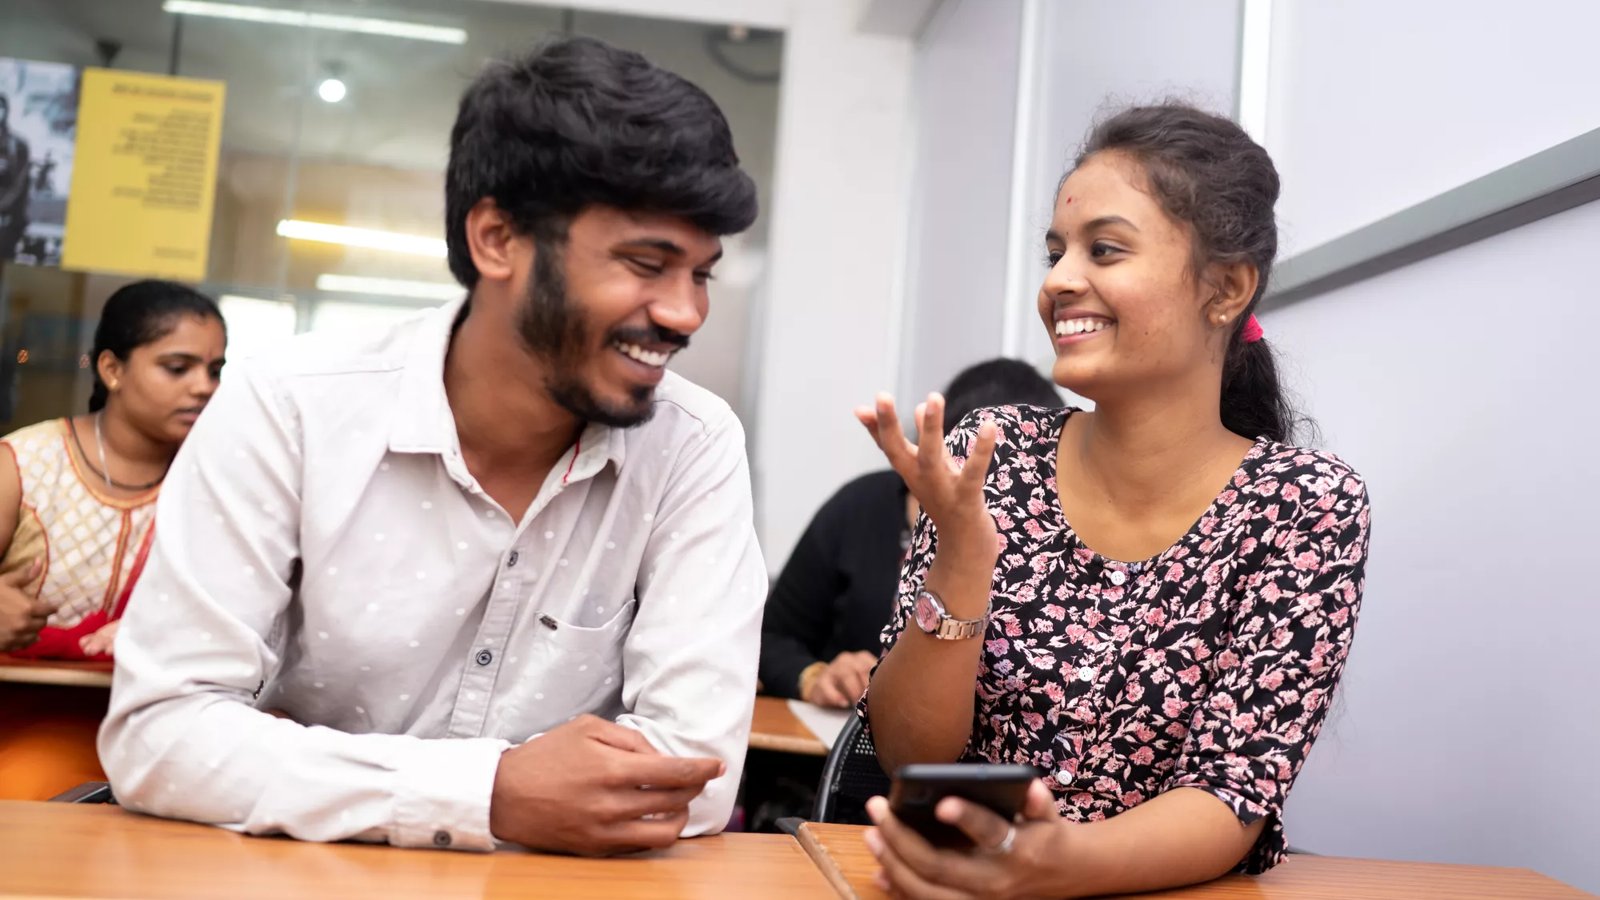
pixel 145 176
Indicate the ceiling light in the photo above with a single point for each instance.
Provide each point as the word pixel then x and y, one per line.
pixel 390 287
pixel 361 237
pixel 325 21
pixel 331 90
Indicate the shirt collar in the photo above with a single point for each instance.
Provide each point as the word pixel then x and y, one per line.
pixel 597 445
pixel 424 424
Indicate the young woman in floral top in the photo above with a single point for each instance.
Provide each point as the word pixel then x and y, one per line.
pixel 1163 590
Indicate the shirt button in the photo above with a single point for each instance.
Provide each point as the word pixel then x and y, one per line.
pixel 441 838
pixel 1086 674
pixel 1118 577
pixel 485 657
pixel 512 559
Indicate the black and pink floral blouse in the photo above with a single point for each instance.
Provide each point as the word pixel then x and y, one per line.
pixel 1210 666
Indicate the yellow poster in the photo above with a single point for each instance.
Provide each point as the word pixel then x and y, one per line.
pixel 145 175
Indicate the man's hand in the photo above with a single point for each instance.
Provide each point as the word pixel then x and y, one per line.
pixel 21 613
pixel 842 683
pixel 594 788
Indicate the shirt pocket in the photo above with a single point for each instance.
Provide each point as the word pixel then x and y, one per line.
pixel 586 660
pixel 571 636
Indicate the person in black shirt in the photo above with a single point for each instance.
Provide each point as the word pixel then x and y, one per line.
pixel 824 616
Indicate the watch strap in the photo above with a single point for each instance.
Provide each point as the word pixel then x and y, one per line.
pixel 950 628
pixel 960 629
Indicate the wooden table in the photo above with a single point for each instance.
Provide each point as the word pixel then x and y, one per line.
pixel 776 728
pixel 79 673
pixel 844 859
pixel 80 850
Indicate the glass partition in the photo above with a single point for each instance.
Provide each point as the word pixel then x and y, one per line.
pixel 330 200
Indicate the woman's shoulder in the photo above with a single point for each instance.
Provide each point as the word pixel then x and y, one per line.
pixel 1311 481
pixel 49 431
pixel 1018 424
pixel 1319 467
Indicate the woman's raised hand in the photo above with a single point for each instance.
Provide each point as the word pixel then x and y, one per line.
pixel 950 491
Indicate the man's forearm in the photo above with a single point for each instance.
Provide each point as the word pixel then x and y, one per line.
pixel 174 750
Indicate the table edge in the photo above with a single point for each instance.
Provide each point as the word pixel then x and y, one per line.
pixel 788 744
pixel 824 861
pixel 47 675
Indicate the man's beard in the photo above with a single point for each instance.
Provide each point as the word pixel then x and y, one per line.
pixel 553 330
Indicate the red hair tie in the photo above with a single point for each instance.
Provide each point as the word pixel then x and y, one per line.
pixel 1251 332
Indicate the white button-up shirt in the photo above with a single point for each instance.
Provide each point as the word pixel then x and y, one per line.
pixel 322 549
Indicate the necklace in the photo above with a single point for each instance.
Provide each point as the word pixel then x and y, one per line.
pixel 104 470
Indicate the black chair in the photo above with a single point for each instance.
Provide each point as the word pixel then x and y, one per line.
pixel 88 792
pixel 850 776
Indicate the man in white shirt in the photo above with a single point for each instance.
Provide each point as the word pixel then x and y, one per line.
pixel 493 571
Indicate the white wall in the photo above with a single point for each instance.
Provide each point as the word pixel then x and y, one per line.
pixel 965 86
pixel 1375 106
pixel 1469 719
pixel 824 339
pixel 1469 722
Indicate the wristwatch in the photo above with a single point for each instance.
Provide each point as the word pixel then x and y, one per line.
pixel 930 616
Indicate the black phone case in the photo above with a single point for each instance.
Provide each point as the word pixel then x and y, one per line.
pixel 917 790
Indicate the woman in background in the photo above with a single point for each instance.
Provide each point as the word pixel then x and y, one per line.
pixel 820 633
pixel 1150 603
pixel 77 495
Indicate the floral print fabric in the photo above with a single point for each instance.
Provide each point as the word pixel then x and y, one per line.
pixel 1210 666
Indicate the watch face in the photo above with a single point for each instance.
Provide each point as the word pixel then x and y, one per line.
pixel 927 614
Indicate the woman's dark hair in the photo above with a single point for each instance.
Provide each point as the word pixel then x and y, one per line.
pixel 137 314
pixel 1204 170
pixel 996 382
pixel 580 122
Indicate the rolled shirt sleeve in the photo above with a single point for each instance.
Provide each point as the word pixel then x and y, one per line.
pixel 689 661
pixel 1276 676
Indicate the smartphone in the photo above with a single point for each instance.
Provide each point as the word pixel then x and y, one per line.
pixel 917 790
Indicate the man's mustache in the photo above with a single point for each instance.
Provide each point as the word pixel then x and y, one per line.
pixel 653 335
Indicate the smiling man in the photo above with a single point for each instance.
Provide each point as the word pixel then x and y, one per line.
pixel 490 575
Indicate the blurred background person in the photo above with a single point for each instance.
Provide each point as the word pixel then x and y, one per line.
pixel 77 512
